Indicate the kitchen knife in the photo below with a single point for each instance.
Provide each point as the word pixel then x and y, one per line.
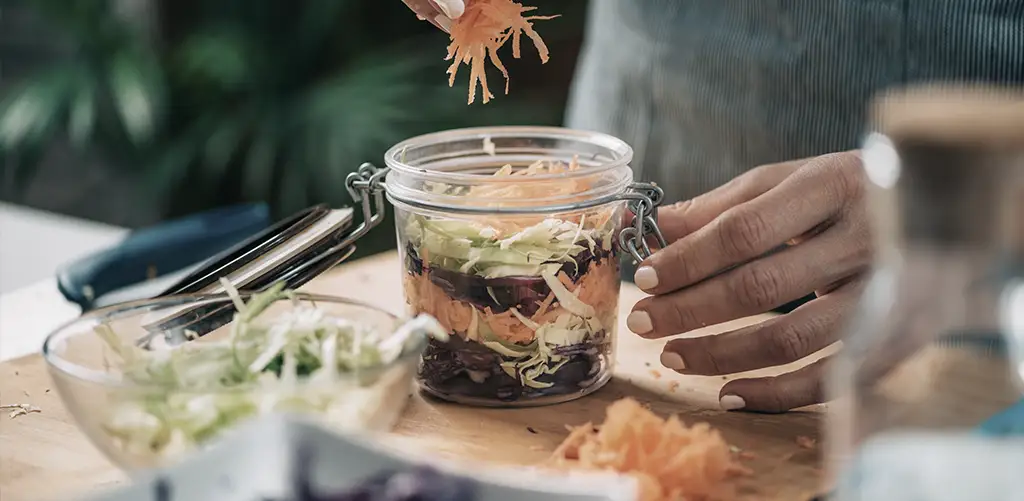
pixel 158 251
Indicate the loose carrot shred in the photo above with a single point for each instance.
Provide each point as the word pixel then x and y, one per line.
pixel 806 442
pixel 484 27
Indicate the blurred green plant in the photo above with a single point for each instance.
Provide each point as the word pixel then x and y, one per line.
pixel 241 100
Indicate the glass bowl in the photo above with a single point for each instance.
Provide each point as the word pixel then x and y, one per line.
pixel 152 423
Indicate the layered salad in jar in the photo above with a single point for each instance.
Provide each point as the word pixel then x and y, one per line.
pixel 530 301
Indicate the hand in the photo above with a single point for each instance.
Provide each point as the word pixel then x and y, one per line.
pixel 440 13
pixel 719 266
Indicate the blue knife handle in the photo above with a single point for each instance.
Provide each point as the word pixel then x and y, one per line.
pixel 156 251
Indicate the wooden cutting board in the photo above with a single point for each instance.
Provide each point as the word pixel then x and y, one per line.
pixel 43 456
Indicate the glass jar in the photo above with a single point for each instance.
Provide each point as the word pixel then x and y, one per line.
pixel 932 362
pixel 511 238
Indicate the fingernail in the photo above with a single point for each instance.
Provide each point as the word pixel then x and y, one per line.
pixel 672 361
pixel 444 22
pixel 646 278
pixel 451 8
pixel 639 322
pixel 732 402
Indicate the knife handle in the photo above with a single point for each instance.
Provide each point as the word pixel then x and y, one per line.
pixel 165 248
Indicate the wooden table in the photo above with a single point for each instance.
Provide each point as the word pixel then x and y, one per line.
pixel 44 456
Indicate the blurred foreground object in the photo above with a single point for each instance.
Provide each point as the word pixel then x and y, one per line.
pixel 936 349
pixel 290 457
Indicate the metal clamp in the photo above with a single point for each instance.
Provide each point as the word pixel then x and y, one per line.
pixel 643 200
pixel 365 184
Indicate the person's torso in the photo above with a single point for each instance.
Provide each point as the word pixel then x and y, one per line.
pixel 707 89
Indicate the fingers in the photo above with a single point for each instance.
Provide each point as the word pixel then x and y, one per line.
pixel 778 341
pixel 815 193
pixel 755 287
pixel 682 218
pixel 779 393
pixel 440 13
pixel 451 8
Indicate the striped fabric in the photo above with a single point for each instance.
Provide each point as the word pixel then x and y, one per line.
pixel 707 89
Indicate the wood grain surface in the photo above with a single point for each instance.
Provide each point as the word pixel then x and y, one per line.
pixel 43 456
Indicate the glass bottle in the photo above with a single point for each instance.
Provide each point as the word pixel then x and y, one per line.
pixel 935 349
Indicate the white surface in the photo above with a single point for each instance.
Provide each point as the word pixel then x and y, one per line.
pixel 32 245
pixel 27 315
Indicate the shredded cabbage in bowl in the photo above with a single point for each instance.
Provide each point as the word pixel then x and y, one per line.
pixel 302 359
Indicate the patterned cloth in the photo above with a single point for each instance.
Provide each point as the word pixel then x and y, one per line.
pixel 705 90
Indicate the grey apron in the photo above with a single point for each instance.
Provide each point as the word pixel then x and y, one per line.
pixel 705 90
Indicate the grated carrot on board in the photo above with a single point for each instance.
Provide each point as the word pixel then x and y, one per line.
pixel 669 460
pixel 484 27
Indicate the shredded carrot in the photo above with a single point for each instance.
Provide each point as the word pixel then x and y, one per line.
pixel 669 460
pixel 484 27
pixel 543 306
pixel 558 184
pixel 805 442
pixel 424 296
pixel 595 284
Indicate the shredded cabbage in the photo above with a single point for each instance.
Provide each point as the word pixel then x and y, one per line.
pixel 541 250
pixel 472 247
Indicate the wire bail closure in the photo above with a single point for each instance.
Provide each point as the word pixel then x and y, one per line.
pixel 642 199
pixel 363 185
pixel 366 188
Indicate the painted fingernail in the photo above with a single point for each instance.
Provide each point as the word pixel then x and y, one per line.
pixel 672 361
pixel 646 278
pixel 732 402
pixel 639 322
pixel 444 22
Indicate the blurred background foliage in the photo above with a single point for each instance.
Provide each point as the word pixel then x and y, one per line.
pixel 133 111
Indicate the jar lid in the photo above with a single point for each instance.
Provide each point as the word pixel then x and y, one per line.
pixel 444 171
